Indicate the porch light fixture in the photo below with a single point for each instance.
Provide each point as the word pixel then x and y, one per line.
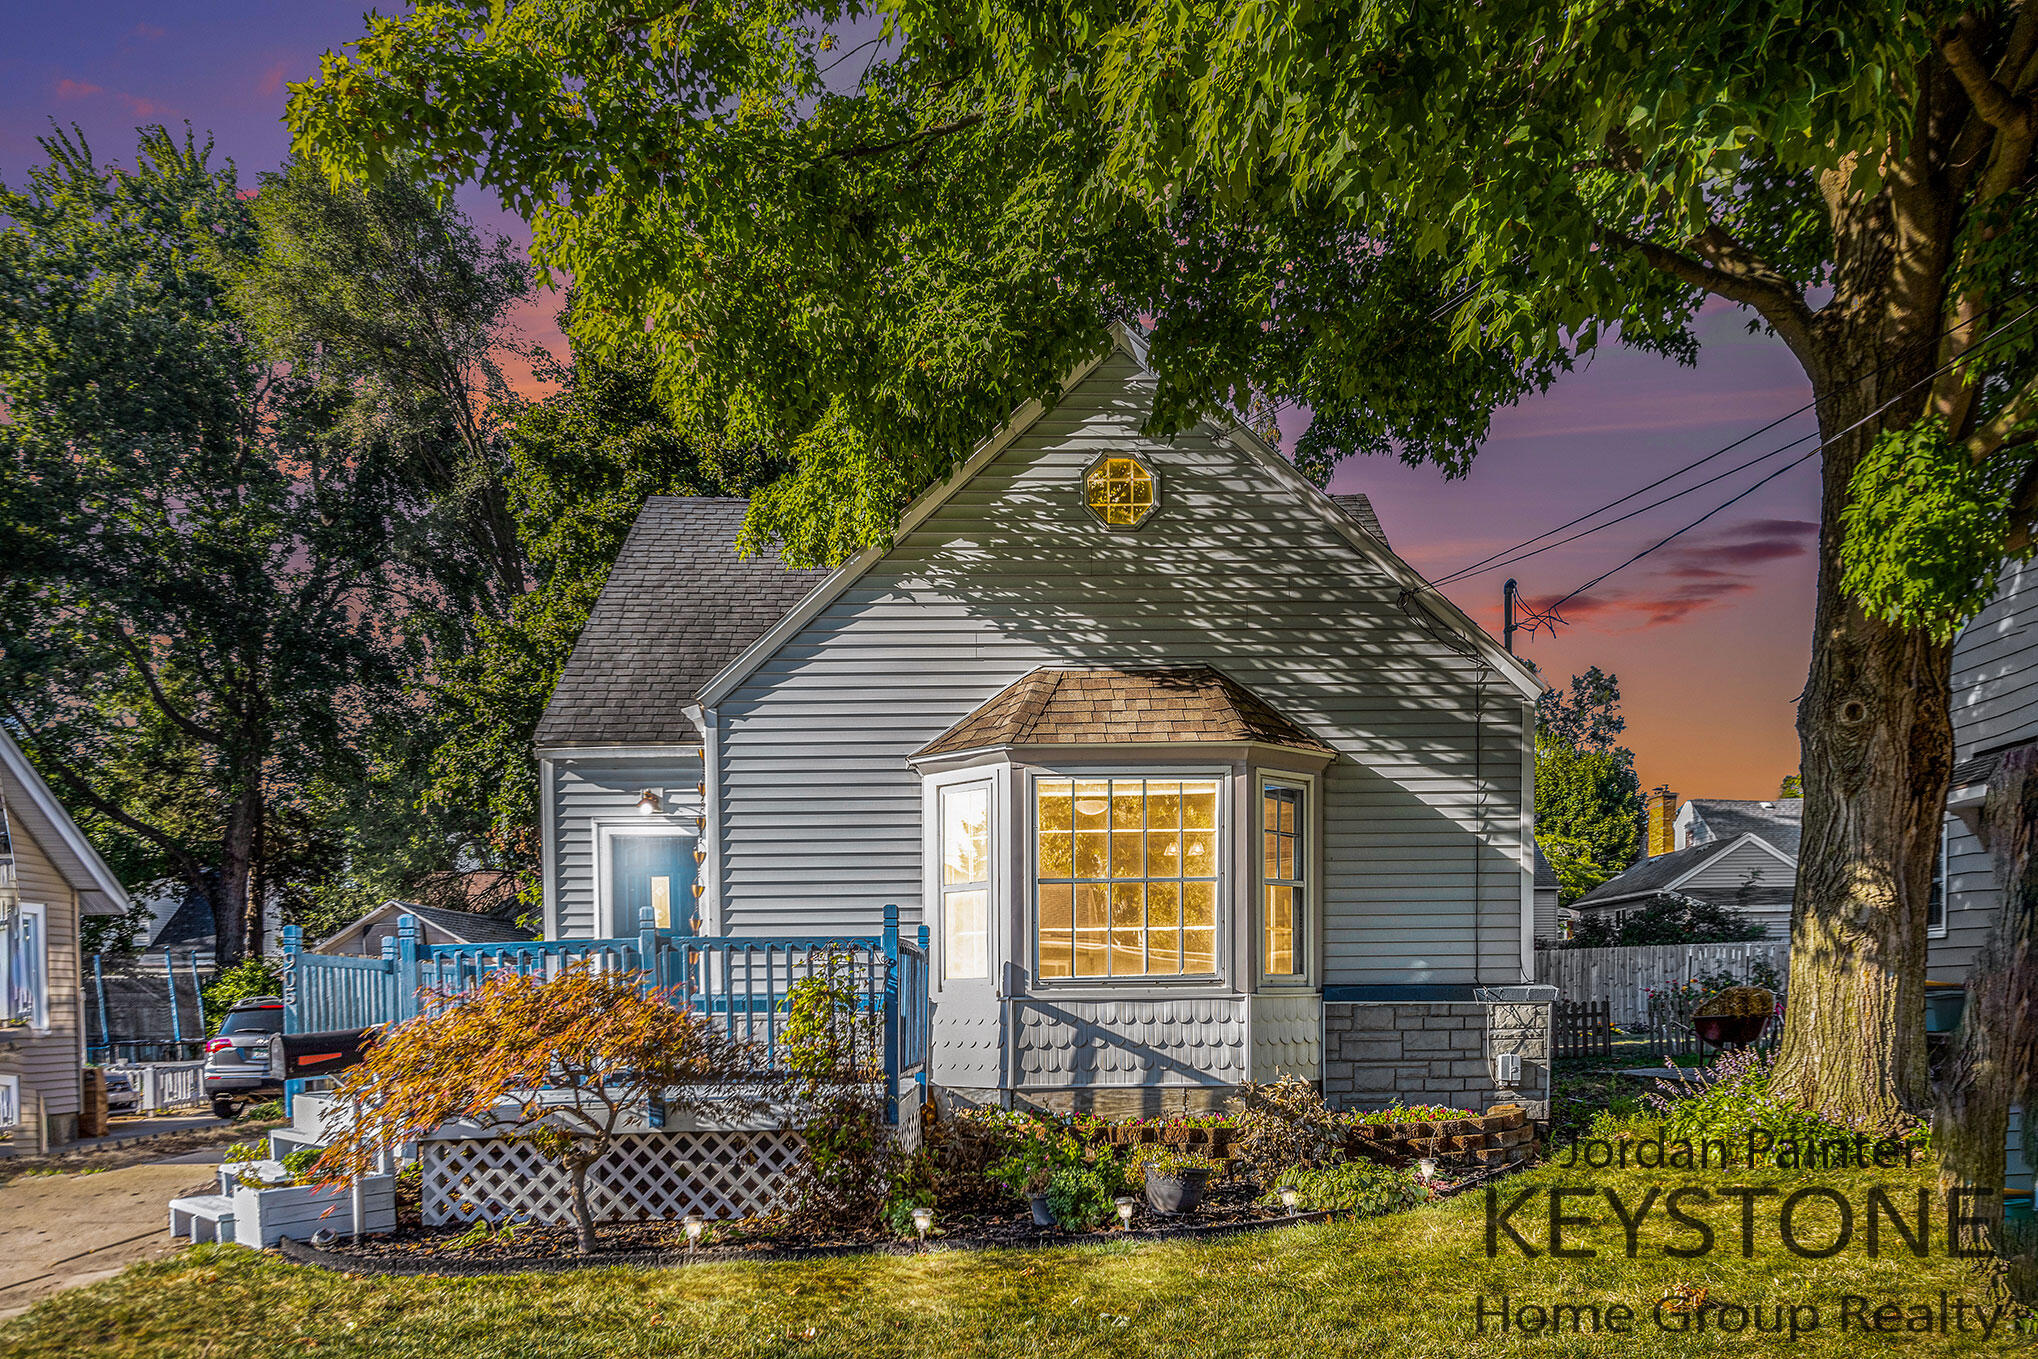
pixel 695 1225
pixel 647 802
pixel 1426 1169
pixel 1289 1198
pixel 923 1218
pixel 1125 1207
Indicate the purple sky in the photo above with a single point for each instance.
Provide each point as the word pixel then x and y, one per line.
pixel 1709 636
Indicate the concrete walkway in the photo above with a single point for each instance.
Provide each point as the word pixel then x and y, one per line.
pixel 65 1231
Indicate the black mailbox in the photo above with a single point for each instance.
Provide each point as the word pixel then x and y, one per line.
pixel 302 1056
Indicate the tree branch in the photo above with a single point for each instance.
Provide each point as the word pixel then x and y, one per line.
pixel 140 661
pixel 1998 106
pixel 923 134
pixel 1749 282
pixel 80 788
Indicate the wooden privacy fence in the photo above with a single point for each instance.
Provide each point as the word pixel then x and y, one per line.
pixel 1621 978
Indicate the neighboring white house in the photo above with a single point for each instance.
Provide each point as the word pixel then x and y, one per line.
pixel 1721 851
pixel 50 877
pixel 1549 924
pixel 436 925
pixel 1191 779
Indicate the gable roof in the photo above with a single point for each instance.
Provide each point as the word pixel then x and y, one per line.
pixel 679 605
pixel 1419 592
pixel 32 810
pixel 1360 508
pixel 1108 705
pixel 1546 873
pixel 1779 822
pixel 466 927
pixel 1668 872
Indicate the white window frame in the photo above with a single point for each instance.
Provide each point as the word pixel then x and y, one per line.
pixel 941 890
pixel 1940 930
pixel 1306 929
pixel 39 1020
pixel 605 835
pixel 1224 924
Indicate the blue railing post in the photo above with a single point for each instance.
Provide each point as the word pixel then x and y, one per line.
pixel 922 1020
pixel 408 979
pixel 892 1025
pixel 105 1033
pixel 176 1024
pixel 293 1000
pixel 647 944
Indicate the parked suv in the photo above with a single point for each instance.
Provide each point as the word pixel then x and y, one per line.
pixel 237 1060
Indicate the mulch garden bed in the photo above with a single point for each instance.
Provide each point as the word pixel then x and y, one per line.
pixel 415 1249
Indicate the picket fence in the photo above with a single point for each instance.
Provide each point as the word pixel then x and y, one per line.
pixel 1622 978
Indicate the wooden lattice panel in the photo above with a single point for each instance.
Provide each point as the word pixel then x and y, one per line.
pixel 645 1177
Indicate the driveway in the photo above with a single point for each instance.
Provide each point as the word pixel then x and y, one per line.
pixel 64 1231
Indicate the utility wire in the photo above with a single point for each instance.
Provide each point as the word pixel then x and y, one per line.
pixel 1492 562
pixel 1551 614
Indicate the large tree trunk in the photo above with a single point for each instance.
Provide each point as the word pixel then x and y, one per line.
pixel 1876 735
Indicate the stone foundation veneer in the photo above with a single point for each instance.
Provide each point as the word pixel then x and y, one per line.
pixel 1376 1052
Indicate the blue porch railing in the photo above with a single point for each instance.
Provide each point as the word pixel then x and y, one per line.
pixel 741 984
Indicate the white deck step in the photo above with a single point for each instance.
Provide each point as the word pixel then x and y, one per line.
pixel 203 1217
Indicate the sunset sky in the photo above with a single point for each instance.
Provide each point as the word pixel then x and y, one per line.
pixel 1710 636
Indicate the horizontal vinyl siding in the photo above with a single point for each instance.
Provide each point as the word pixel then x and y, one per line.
pixel 1995 668
pixel 1995 704
pixel 820 822
pixel 589 793
pixel 50 1062
pixel 1972 900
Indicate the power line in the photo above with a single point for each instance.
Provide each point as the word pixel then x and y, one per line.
pixel 1492 561
pixel 1552 614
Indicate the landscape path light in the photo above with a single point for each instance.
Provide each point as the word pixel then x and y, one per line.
pixel 695 1225
pixel 923 1218
pixel 1426 1169
pixel 1289 1197
pixel 1125 1207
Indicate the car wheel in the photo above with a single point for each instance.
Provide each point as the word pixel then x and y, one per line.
pixel 222 1108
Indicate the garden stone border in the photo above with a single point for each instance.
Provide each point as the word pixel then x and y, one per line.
pixel 342 1261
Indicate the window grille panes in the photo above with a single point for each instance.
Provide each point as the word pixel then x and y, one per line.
pixel 1127 875
pixel 966 881
pixel 1281 874
pixel 1120 492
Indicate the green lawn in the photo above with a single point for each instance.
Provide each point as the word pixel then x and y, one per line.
pixel 1401 1286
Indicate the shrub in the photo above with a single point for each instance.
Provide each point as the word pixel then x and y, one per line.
pixel 1162 1159
pixel 1079 1180
pixel 1399 1113
pixel 560 1064
pixel 245 1151
pixel 1733 1097
pixel 1282 1125
pixel 848 1161
pixel 1350 1187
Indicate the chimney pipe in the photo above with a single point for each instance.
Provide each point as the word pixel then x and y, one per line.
pixel 1662 820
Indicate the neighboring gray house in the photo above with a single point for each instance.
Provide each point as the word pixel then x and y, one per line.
pixel 1995 710
pixel 1728 853
pixel 436 925
pixel 1549 926
pixel 1192 780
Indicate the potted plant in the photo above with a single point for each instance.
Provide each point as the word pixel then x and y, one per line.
pixel 1175 1180
pixel 1035 1190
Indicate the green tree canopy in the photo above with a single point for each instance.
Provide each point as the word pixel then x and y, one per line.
pixel 1401 216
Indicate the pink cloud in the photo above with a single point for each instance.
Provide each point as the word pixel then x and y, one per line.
pixel 68 88
pixel 136 105
pixel 272 81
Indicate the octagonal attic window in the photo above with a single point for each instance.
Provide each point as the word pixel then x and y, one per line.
pixel 1121 491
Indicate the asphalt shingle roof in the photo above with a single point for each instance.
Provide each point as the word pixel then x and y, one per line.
pixel 1657 872
pixel 1781 823
pixel 1546 873
pixel 1360 508
pixel 470 926
pixel 1110 706
pixel 679 605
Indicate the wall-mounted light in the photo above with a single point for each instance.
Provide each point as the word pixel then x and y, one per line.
pixel 648 802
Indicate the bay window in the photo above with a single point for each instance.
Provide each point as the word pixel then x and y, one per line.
pixel 1283 888
pixel 1126 871
pixel 966 881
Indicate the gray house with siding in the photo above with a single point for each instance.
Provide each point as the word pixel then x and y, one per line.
pixel 50 878
pixel 1727 852
pixel 1191 779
